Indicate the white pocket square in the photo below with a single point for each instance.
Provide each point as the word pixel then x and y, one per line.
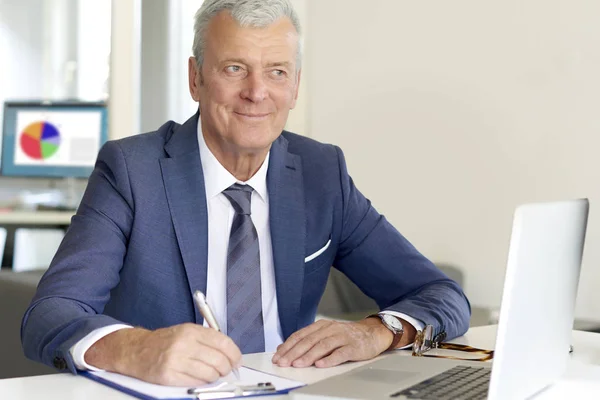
pixel 318 252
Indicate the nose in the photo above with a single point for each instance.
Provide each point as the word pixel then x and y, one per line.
pixel 255 88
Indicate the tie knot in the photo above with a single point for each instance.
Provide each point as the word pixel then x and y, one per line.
pixel 239 196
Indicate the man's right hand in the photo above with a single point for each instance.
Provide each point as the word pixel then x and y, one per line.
pixel 181 355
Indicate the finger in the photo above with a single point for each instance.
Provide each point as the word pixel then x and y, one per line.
pixel 182 371
pixel 213 357
pixel 200 370
pixel 321 349
pixel 337 357
pixel 297 336
pixel 306 344
pixel 297 343
pixel 222 343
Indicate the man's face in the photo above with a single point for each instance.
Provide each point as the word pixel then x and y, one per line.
pixel 247 84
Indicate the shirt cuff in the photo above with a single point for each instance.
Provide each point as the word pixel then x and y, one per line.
pixel 80 348
pixel 418 325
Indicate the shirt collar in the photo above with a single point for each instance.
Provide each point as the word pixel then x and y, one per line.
pixel 217 178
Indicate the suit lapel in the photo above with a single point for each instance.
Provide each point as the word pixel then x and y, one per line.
pixel 288 231
pixel 184 184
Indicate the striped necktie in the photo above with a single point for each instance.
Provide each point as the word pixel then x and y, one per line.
pixel 244 302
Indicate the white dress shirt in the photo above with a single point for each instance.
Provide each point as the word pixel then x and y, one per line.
pixel 220 218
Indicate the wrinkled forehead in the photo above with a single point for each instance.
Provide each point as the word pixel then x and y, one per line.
pixel 226 38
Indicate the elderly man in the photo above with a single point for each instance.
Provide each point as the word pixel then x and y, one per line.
pixel 230 204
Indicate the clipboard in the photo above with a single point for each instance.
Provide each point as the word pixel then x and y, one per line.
pixel 252 383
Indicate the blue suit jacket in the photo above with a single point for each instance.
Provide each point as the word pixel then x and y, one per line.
pixel 137 247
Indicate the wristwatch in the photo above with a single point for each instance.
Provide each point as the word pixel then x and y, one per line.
pixel 394 325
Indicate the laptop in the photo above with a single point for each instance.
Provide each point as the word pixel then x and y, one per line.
pixel 534 329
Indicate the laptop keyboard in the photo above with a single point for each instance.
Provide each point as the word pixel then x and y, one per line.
pixel 458 383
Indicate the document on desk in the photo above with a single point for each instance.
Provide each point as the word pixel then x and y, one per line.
pixel 149 391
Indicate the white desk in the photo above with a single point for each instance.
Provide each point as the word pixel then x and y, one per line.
pixel 36 217
pixel 584 364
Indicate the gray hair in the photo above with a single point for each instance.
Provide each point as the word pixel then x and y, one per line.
pixel 247 13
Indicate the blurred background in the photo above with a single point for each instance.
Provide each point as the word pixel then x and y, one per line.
pixel 471 107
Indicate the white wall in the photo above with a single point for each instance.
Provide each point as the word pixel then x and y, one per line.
pixel 21 50
pixel 59 47
pixel 452 113
pixel 125 68
pixel 154 75
pixel 21 44
pixel 33 57
pixel 298 118
pixel 93 49
pixel 167 36
pixel 57 57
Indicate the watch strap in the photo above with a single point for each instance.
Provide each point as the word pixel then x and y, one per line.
pixel 397 335
pixel 395 340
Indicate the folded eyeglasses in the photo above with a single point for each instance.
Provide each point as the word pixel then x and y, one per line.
pixel 424 341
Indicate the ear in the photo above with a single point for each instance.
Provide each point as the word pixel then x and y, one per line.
pixel 297 88
pixel 194 78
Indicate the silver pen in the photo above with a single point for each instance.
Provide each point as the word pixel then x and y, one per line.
pixel 210 319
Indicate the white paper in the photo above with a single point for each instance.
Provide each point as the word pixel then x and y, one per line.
pixel 247 377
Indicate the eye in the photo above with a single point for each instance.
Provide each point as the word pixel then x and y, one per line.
pixel 278 72
pixel 232 69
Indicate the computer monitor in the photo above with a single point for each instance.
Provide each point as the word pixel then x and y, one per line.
pixel 52 139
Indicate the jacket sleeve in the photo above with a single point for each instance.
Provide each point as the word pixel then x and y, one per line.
pixel 72 294
pixel 390 270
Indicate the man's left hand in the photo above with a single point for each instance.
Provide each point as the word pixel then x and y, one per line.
pixel 329 343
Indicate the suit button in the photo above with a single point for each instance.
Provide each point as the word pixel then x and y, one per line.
pixel 59 363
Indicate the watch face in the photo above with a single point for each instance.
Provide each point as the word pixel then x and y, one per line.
pixel 392 322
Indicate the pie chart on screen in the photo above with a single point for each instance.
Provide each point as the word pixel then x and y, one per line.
pixel 40 140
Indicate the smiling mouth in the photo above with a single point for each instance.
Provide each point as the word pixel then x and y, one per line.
pixel 252 116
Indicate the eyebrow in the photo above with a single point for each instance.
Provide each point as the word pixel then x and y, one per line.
pixel 286 64
pixel 280 64
pixel 233 60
